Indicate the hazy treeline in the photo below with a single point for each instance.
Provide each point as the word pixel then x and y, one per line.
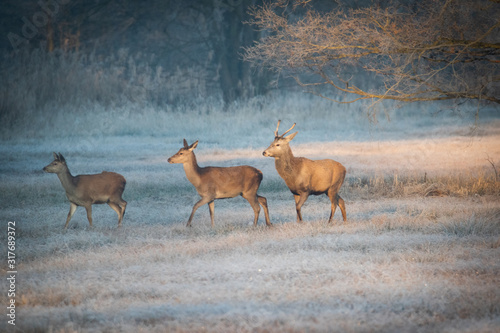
pixel 67 53
pixel 191 41
pixel 162 52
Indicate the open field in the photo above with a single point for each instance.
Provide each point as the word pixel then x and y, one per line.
pixel 419 253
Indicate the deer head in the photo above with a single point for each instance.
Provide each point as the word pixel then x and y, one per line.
pixel 184 154
pixel 58 165
pixel 280 145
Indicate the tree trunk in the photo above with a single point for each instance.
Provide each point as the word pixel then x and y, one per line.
pixel 230 36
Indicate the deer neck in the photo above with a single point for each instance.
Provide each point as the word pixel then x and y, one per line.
pixel 285 162
pixel 67 180
pixel 193 171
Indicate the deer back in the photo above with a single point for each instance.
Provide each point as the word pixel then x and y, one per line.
pixel 228 182
pixel 99 188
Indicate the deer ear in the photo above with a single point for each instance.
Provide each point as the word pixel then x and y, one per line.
pixel 193 146
pixel 56 158
pixel 291 136
pixel 185 144
pixel 61 158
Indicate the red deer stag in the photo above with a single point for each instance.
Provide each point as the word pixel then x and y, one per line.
pixel 86 190
pixel 304 176
pixel 221 183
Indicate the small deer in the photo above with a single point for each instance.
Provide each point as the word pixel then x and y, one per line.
pixel 221 182
pixel 86 190
pixel 304 176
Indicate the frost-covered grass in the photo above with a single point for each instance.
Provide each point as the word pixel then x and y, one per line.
pixel 419 251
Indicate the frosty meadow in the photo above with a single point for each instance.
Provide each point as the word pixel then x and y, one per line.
pixel 418 252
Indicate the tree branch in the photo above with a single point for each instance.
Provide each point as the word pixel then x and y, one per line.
pixel 407 51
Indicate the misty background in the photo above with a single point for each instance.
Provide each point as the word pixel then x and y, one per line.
pixel 67 59
pixel 114 52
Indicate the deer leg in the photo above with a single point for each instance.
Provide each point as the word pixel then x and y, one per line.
pixel 211 207
pixel 195 207
pixel 334 202
pixel 299 215
pixel 118 211
pixel 253 201
pixel 299 201
pixel 263 203
pixel 123 206
pixel 89 213
pixel 342 207
pixel 72 209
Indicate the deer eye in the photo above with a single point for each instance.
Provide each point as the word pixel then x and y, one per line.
pixel 277 145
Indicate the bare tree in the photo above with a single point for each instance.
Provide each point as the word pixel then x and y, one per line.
pixel 424 51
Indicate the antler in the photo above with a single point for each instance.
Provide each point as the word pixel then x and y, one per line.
pixel 291 128
pixel 276 132
pixel 282 135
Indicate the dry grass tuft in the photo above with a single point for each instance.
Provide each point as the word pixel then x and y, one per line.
pixel 400 186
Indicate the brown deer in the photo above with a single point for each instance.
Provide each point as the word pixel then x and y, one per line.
pixel 304 176
pixel 86 190
pixel 221 182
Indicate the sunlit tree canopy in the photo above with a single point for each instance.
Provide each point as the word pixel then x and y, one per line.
pixel 418 51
